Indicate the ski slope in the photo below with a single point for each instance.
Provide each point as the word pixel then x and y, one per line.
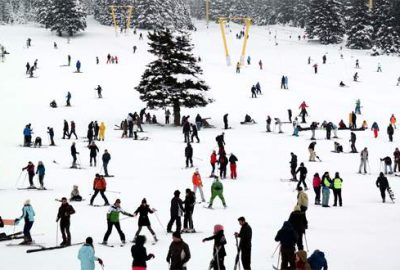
pixel 360 235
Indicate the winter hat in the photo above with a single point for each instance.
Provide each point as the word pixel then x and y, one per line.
pixel 176 234
pixel 177 192
pixel 196 170
pixel 89 240
pixel 296 208
pixel 75 187
pixel 144 200
pixel 218 228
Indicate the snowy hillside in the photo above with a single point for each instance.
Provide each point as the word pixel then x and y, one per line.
pixel 359 235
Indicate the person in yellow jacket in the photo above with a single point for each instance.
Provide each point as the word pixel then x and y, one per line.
pixel 337 189
pixel 102 131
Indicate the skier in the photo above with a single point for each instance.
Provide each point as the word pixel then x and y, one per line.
pixel 303 174
pixel 260 63
pixel 194 133
pixel 398 81
pixel 258 88
pixel 326 185
pixel 283 82
pixel 293 166
pixel 317 188
pixel 96 130
pixel 28 42
pixel 328 128
pixel 357 64
pixel 69 59
pixel 143 210
pixel 390 132
pixel 139 254
pixel 186 130
pixel 379 67
pixel 237 67
pixel 113 220
pixel 245 236
pixel 87 257
pixel 287 237
pixel 189 203
pixel 223 162
pixel 315 66
pixel 28 67
pixel 27 135
pixel 219 253
pixel 302 199
pixel 357 110
pixel 73 130
pixel 220 140
pixel 253 92
pixel 248 60
pixel 106 159
pixel 28 215
pixel 383 184
pixel 189 155
pixel 311 150
pixel 99 90
pixel 198 184
pixel 167 115
pixel 268 123
pixel 232 161
pixel 290 115
pixel 178 253
pixel 279 124
pixel 303 111
pixel 65 129
pixel 225 118
pixel 40 171
pixel 64 213
pixel 396 155
pixel 387 164
pixel 50 131
pixel 75 196
pixel 217 190
pixel 199 121
pixel 73 154
pixel 324 59
pixel 353 139
pixel 176 211
pixel 141 36
pixel 30 168
pixel 97 60
pixel 355 77
pixel 134 48
pixel 286 82
pixel 99 185
pixel 93 153
pixel 337 189
pixel 68 99
pixel 375 129
pixel 342 84
pixel 78 66
pixel 299 223
pixel 317 261
pixel 364 160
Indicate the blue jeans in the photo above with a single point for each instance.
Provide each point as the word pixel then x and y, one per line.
pixel 325 196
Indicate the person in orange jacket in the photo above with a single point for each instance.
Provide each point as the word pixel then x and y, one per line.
pixel 393 120
pixel 198 184
pixel 213 160
pixel 99 185
pixel 102 131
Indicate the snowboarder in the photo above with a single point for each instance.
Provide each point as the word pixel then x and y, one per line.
pixel 40 171
pixel 219 253
pixel 64 213
pixel 87 256
pixel 390 132
pixel 176 211
pixel 326 186
pixel 355 77
pixel 28 215
pixel 353 139
pixel 99 185
pixel 375 129
pixel 178 253
pixel 303 174
pixel 364 160
pixel 30 168
pixel 75 196
pixel 383 184
pixel 113 220
pixel 99 90
pixel 232 161
pixel 93 153
pixel 387 164
pixel 311 150
pixel 143 210
pixel 245 236
pixel 189 203
pixel 68 99
pixel 287 237
pixel 337 189
pixel 50 131
pixel 139 254
pixel 198 184
pixel 217 190
pixel 189 155
pixel 303 111
pixel 299 223
pixel 78 66
pixel 317 188
pixel 106 159
pixel 342 84
pixel 73 154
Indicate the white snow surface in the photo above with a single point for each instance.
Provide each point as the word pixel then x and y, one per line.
pixel 360 235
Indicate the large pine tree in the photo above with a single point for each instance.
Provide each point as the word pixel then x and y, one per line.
pixel 325 21
pixel 285 11
pixel 359 30
pixel 173 78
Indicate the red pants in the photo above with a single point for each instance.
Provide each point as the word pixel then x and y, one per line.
pixel 233 171
pixel 375 133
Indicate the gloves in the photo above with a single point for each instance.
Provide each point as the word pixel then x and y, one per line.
pixel 16 221
pixel 152 255
pixel 100 261
pixel 203 240
pixel 131 215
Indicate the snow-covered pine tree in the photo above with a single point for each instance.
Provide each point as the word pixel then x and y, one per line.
pixel 301 12
pixel 265 12
pixel 285 11
pixel 359 30
pixel 5 11
pixel 173 78
pixel 103 12
pixel 325 21
pixel 386 37
pixel 220 8
pixel 66 16
pixel 41 11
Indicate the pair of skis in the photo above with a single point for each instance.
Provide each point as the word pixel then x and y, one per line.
pixel 42 248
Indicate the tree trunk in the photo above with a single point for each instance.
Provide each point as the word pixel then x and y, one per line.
pixel 177 114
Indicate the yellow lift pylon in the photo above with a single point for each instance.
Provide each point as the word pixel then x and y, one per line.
pixel 128 19
pixel 371 4
pixel 247 21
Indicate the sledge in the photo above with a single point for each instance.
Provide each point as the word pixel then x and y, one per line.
pixel 9 222
pixel 391 194
pixel 51 248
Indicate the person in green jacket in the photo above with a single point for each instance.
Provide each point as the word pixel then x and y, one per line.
pixel 217 190
pixel 337 189
pixel 113 220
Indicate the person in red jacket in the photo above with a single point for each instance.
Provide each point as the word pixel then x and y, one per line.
pixel 213 160
pixel 99 185
pixel 30 168
pixel 317 188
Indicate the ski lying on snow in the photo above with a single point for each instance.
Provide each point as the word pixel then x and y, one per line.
pixel 37 189
pixel 51 248
pixel 111 246
pixel 25 245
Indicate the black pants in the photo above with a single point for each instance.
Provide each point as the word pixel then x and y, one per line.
pixel 148 227
pixel 288 258
pixel 383 193
pixel 105 164
pixel 300 241
pixel 73 160
pixel 226 125
pixel 213 168
pixel 189 160
pixel 65 134
pixel 195 136
pixel 109 230
pixel 337 193
pixel 186 136
pixel 41 177
pixel 293 172
pixel 328 134
pixel 166 120
pixel 218 263
pixel 178 223
pixel 246 258
pixel 64 227
pixel 72 132
pixel 94 159
pixel 397 165
pixel 302 180
pixel 353 147
pixel 222 171
pixel 188 219
pixel 52 140
pixel 30 177
pixel 390 137
pixel 27 230
pixel 317 191
pixel 102 195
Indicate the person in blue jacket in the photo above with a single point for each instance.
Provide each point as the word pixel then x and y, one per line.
pixel 87 257
pixel 27 135
pixel 317 261
pixel 28 214
pixel 78 66
pixel 40 171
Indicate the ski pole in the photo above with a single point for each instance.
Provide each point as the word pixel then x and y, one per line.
pixel 305 238
pixel 112 191
pixel 57 233
pixel 19 177
pixel 159 221
pixel 279 257
pixel 273 254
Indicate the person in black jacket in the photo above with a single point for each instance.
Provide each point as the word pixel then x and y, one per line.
pixel 65 129
pixel 245 236
pixel 178 253
pixel 189 155
pixel 390 132
pixel 51 135
pixel 93 153
pixel 232 160
pixel 139 254
pixel 353 139
pixel 189 203
pixel 220 140
pixel 287 236
pixel 303 175
pixel 219 252
pixel 176 211
pixel 383 184
pixel 299 222
pixel 194 133
pixel 106 158
pixel 143 210
pixel 64 213
pixel 73 154
pixel 293 166
pixel 186 131
pixel 226 125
